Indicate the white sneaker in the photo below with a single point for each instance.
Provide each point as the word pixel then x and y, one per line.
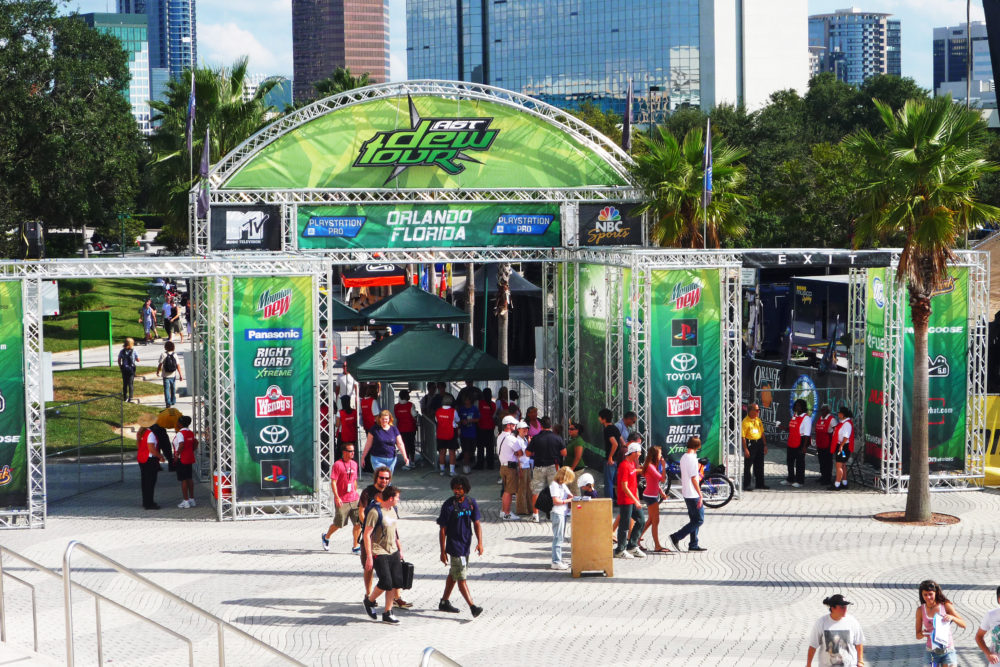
pixel 624 554
pixel 183 504
pixel 510 517
pixel 783 482
pixel 466 470
pixel 534 519
pixel 500 481
pixel 796 485
pixel 636 553
pixel 190 502
pixel 560 566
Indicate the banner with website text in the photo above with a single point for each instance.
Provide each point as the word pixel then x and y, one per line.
pixel 685 370
pixel 875 345
pixel 273 358
pixel 13 439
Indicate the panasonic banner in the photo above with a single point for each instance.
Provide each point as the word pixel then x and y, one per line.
pixel 273 358
pixel 13 441
pixel 685 370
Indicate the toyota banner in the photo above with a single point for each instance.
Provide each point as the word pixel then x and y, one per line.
pixel 273 356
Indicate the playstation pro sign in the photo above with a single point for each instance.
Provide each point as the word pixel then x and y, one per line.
pixel 246 228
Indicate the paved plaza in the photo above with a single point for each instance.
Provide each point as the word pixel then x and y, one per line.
pixel 773 556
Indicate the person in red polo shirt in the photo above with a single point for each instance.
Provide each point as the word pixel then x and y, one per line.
pixel 825 425
pixel 485 449
pixel 627 484
pixel 406 422
pixel 184 443
pixel 446 419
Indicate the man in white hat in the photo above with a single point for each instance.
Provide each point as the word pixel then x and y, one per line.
pixel 629 507
pixel 586 484
pixel 510 450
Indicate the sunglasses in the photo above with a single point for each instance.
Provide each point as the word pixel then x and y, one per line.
pixel 385 479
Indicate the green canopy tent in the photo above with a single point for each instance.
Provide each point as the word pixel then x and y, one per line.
pixel 421 354
pixel 413 306
pixel 345 315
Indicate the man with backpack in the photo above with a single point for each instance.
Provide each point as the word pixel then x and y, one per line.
pixel 170 371
pixel 383 552
pixel 367 500
pixel 459 515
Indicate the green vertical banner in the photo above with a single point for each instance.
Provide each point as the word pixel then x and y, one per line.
pixel 875 345
pixel 591 374
pixel 685 368
pixel 629 324
pixel 273 357
pixel 947 370
pixel 13 439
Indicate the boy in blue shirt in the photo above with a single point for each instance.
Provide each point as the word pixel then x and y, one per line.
pixel 459 514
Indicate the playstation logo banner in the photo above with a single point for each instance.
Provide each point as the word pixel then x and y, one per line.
pixel 246 227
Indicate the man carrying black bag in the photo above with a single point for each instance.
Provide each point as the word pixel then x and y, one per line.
pixel 384 552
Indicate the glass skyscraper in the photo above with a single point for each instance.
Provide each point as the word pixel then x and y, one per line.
pixel 563 52
pixel 173 36
pixel 131 32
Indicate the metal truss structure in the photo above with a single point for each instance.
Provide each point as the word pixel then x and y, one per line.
pixel 856 322
pixel 614 342
pixel 550 346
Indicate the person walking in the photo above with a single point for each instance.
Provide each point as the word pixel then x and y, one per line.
pixel 148 317
pixel 754 448
pixel 691 491
pixel 175 320
pixel 383 441
pixel 825 424
pixel 184 444
pixel 547 450
pixel 523 494
pixel 458 518
pixel 128 359
pixel 936 617
pixel 652 471
pixel 836 637
pixel 406 422
pixel 170 371
pixel 628 505
pixel 614 448
pixel 383 552
pixel 509 451
pixel 168 314
pixel 346 385
pixel 799 430
pixel 843 446
pixel 988 635
pixel 344 483
pixel 561 499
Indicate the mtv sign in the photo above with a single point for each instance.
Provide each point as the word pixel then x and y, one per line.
pixel 245 227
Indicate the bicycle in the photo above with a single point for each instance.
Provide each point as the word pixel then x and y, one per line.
pixel 716 488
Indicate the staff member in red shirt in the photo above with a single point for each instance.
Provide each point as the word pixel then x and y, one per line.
pixel 799 429
pixel 446 419
pixel 485 443
pixel 347 424
pixel 406 422
pixel 825 424
pixel 629 510
pixel 843 446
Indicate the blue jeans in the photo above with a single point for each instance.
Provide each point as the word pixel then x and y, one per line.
pixel 558 535
pixel 170 391
pixel 940 658
pixel 378 462
pixel 625 515
pixel 610 470
pixel 696 517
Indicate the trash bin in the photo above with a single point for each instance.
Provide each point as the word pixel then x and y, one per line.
pixel 590 534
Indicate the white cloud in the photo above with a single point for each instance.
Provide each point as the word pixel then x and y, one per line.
pixel 244 8
pixel 220 44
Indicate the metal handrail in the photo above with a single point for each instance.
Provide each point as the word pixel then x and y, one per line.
pixel 221 625
pixel 432 654
pixel 98 598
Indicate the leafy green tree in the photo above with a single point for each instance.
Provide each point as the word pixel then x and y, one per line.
pixel 682 121
pixel 893 91
pixel 919 189
pixel 220 102
pixel 68 141
pixel 671 176
pixel 607 123
pixel 340 82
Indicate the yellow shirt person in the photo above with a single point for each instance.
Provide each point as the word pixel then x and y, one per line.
pixel 752 429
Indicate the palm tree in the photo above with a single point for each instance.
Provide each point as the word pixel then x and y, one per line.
pixel 921 177
pixel 220 102
pixel 340 82
pixel 671 176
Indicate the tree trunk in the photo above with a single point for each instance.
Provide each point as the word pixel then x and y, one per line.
pixel 918 493
pixel 470 301
pixel 83 236
pixel 503 307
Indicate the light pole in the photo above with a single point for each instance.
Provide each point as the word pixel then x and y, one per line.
pixel 649 107
pixel 968 53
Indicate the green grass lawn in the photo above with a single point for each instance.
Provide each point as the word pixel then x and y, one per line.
pixel 123 298
pixel 94 421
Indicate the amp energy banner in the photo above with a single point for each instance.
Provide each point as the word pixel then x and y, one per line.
pixel 685 369
pixel 425 226
pixel 13 439
pixel 273 339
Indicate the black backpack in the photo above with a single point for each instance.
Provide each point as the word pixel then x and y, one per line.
pixel 544 502
pixel 126 359
pixel 169 364
pixel 373 504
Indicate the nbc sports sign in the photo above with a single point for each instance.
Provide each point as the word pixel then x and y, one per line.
pixel 609 225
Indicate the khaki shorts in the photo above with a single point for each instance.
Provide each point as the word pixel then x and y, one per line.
pixel 541 478
pixel 344 512
pixel 509 477
pixel 459 568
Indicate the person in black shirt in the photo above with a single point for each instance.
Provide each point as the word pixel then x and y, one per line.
pixel 548 450
pixel 614 448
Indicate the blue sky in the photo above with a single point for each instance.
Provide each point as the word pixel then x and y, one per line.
pixel 263 30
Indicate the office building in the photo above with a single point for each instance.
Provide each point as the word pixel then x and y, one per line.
pixel 856 45
pixel 951 62
pixel 327 34
pixel 173 36
pixel 131 32
pixel 678 53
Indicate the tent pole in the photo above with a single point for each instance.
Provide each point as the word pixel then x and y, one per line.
pixel 486 305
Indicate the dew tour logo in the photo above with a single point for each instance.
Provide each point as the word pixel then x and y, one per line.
pixel 686 296
pixel 274 304
pixel 430 142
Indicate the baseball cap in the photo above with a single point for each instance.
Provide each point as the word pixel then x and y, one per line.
pixel 509 420
pixel 586 479
pixel 633 448
pixel 836 601
pixel 522 424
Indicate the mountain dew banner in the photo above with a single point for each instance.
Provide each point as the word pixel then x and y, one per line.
pixel 875 345
pixel 591 374
pixel 13 439
pixel 685 369
pixel 466 225
pixel 947 368
pixel 273 354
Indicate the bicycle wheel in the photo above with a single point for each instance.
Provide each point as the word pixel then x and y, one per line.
pixel 716 490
